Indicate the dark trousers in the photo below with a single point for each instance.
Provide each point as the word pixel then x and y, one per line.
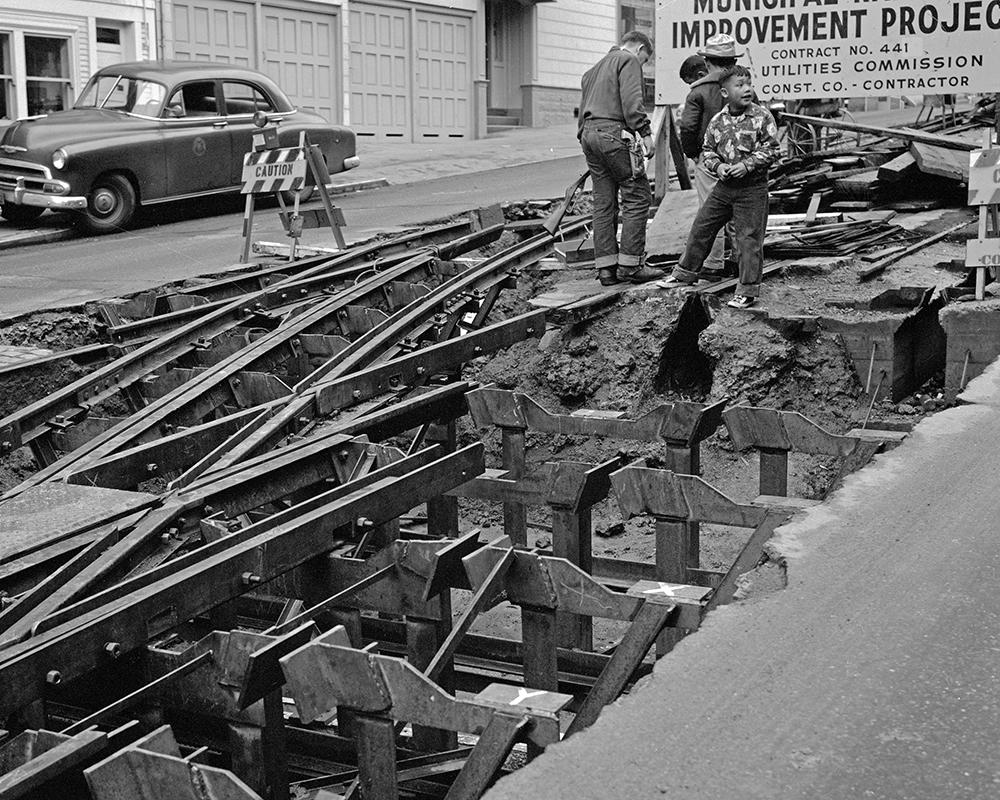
pixel 746 206
pixel 610 165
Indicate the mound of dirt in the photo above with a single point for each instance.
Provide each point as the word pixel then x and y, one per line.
pixel 607 363
pixel 753 363
pixel 56 330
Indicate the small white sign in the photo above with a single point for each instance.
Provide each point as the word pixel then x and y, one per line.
pixel 984 177
pixel 982 253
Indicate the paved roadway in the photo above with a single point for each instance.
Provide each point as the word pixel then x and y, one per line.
pixel 184 240
pixel 875 673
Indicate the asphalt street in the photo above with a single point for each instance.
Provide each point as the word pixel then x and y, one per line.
pixel 873 674
pixel 182 240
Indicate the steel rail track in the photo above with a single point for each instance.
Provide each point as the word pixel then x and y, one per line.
pixel 136 365
pixel 29 425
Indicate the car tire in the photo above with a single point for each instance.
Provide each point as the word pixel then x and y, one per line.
pixel 111 204
pixel 20 215
pixel 308 193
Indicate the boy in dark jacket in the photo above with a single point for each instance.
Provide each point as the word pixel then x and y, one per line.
pixel 703 102
pixel 740 144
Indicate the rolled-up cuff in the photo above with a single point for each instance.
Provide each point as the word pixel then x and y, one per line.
pixel 748 289
pixel 626 260
pixel 606 262
pixel 685 275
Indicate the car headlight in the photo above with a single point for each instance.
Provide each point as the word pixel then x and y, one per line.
pixel 59 159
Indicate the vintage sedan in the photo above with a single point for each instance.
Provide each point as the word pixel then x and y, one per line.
pixel 151 132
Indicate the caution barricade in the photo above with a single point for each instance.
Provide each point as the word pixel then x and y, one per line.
pixel 273 170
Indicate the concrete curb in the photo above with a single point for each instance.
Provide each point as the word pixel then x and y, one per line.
pixel 21 238
pixel 357 186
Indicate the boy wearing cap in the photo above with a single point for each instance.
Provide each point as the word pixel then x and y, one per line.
pixel 612 114
pixel 703 102
pixel 740 144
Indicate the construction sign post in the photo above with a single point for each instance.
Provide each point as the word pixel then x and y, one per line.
pixel 838 48
pixel 983 252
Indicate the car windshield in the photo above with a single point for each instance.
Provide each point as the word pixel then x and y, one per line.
pixel 122 93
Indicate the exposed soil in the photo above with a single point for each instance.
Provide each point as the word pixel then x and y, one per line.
pixel 656 347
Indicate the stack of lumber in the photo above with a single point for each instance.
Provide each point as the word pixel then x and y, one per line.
pixel 884 166
pixel 832 238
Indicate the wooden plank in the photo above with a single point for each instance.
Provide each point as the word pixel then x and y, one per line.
pixel 940 161
pixel 907 134
pixel 668 232
pixel 486 592
pixel 650 620
pixel 485 760
pixel 50 764
pixel 902 166
pixel 880 266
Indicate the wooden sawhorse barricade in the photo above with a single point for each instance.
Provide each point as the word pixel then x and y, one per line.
pixel 775 434
pixel 269 169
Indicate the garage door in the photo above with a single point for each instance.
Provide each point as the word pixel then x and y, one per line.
pixel 411 73
pixel 380 71
pixel 300 49
pixel 442 103
pixel 220 30
pixel 300 53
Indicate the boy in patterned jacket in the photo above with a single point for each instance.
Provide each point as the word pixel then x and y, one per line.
pixel 740 144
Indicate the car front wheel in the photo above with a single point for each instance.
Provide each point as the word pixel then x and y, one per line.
pixel 110 204
pixel 20 215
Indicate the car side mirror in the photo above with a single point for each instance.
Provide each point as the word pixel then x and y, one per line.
pixel 260 119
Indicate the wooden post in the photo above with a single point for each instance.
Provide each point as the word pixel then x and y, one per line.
pixel 515 516
pixel 774 472
pixel 538 635
pixel 661 158
pixel 571 539
pixel 350 618
pixel 423 638
pixel 442 511
pixel 686 460
pixel 541 664
pixel 680 160
pixel 376 738
pixel 671 567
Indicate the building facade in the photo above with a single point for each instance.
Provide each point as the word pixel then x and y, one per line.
pixel 48 50
pixel 391 69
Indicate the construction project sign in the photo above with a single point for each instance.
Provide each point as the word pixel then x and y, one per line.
pixel 838 48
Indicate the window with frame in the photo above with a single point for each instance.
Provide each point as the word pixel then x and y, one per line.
pixel 6 78
pixel 639 15
pixel 193 100
pixel 46 73
pixel 243 98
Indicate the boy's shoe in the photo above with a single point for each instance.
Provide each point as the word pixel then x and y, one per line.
pixel 741 301
pixel 673 282
pixel 608 276
pixel 641 274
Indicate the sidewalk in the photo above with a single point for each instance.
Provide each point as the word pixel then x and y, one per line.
pixel 410 162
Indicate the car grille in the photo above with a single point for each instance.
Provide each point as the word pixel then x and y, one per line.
pixel 34 175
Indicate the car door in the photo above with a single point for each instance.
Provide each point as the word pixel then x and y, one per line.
pixel 241 99
pixel 197 145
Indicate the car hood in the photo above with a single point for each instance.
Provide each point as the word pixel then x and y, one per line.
pixel 64 128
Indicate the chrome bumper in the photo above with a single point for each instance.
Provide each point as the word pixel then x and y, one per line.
pixel 352 162
pixel 17 193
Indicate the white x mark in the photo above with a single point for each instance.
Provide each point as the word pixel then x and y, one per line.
pixel 522 695
pixel 667 589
